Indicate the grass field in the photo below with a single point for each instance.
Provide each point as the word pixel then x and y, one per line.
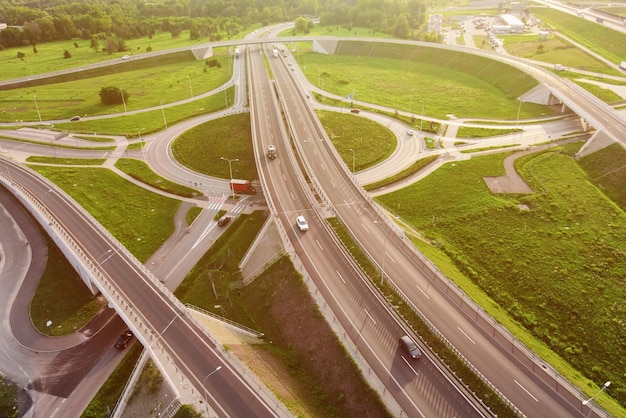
pixel 421 79
pixel 202 147
pixel 600 39
pixel 49 56
pixel 556 267
pixel 147 87
pixel 361 139
pixel 553 50
pixel 141 171
pixel 139 219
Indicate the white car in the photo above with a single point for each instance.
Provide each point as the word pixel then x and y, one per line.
pixel 410 132
pixel 125 57
pixel 301 222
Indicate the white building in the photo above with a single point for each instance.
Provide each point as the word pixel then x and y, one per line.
pixel 517 26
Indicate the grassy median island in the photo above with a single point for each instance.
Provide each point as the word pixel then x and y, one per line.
pixel 554 259
pixel 321 378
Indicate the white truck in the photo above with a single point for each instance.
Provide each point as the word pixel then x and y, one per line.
pixel 275 52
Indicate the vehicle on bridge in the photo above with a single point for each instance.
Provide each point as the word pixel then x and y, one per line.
pixel 410 346
pixel 124 339
pixel 302 223
pixel 271 151
pixel 242 186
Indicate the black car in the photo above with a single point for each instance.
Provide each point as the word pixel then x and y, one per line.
pixel 223 220
pixel 124 339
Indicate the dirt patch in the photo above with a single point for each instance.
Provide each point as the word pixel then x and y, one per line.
pixel 302 360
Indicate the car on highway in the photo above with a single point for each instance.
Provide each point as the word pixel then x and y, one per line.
pixel 124 339
pixel 410 346
pixel 302 224
pixel 410 132
pixel 223 221
pixel 125 57
pixel 355 110
pixel 74 118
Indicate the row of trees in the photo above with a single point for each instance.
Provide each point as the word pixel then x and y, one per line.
pixel 211 19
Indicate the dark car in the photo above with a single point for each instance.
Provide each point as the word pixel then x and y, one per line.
pixel 75 118
pixel 124 339
pixel 355 111
pixel 410 346
pixel 223 220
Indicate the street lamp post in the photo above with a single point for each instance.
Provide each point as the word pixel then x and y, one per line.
pixel 422 118
pixel 353 159
pixel 353 81
pixel 163 112
pixel 190 89
pixel 37 107
pixel 382 270
pixel 587 401
pixel 123 100
pixel 217 369
pixel 141 142
pixel 230 168
pixel 519 109
pixel 411 100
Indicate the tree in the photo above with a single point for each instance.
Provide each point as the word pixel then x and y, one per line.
pixel 113 95
pixel 401 29
pixel 95 45
pixel 301 25
pixel 66 54
pixel 21 55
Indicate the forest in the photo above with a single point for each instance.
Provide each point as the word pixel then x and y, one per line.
pixel 31 22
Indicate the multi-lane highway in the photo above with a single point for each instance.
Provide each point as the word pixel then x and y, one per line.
pixel 157 319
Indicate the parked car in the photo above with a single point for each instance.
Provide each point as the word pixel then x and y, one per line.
pixel 124 339
pixel 223 221
pixel 74 118
pixel 302 224
pixel 410 346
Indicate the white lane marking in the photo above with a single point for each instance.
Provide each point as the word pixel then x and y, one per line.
pixel 206 232
pixel 424 293
pixel 525 390
pixel 410 365
pixel 319 245
pixel 364 227
pixel 390 257
pixel 332 183
pixel 342 279
pixel 370 316
pixel 466 336
pixel 292 196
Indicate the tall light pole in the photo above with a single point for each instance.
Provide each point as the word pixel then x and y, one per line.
pixel 519 109
pixel 141 141
pixel 217 369
pixel 353 158
pixel 163 112
pixel 587 401
pixel 353 81
pixel 411 100
pixel 190 89
pixel 123 100
pixel 230 168
pixel 37 107
pixel 422 118
pixel 382 270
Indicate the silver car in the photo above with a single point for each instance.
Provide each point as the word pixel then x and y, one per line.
pixel 410 346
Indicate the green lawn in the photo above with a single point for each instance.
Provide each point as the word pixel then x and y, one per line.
pixel 142 172
pixel 49 56
pixel 599 38
pixel 202 147
pixel 358 140
pixel 557 267
pixel 411 78
pixel 147 87
pixel 139 219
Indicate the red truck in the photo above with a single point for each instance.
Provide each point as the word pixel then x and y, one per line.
pixel 242 186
